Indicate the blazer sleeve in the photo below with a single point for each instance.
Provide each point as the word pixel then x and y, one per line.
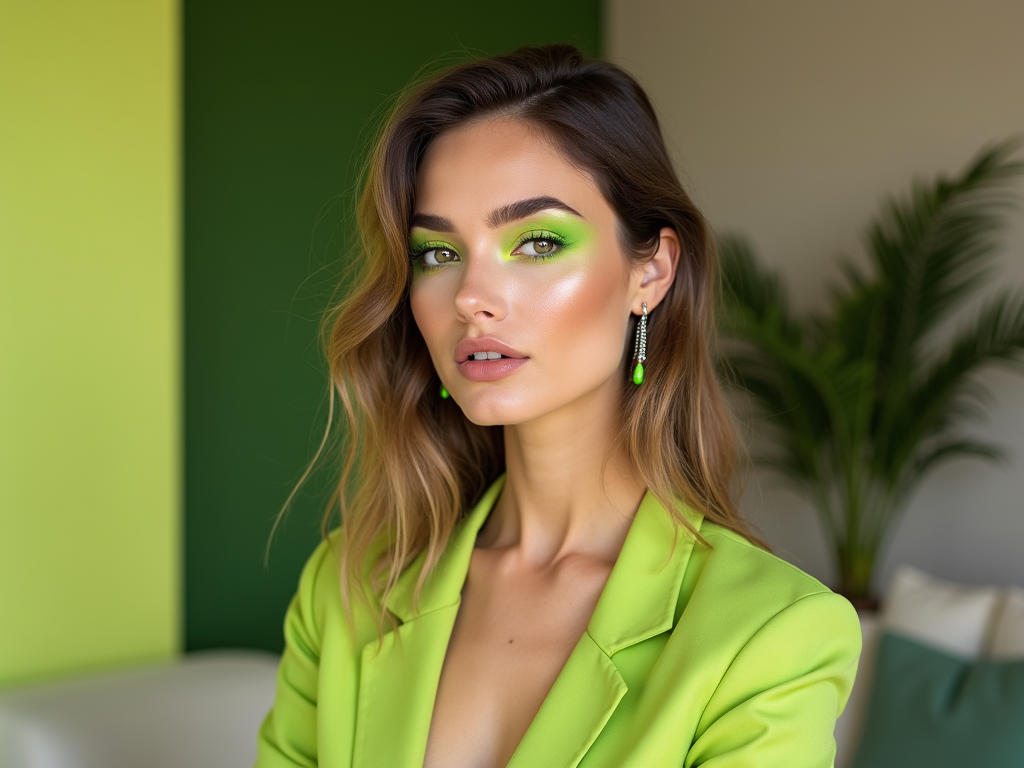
pixel 777 704
pixel 288 737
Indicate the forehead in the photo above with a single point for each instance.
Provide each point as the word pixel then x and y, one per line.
pixel 485 164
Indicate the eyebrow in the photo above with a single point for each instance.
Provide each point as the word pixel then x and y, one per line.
pixel 504 215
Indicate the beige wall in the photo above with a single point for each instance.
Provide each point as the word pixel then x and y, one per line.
pixel 790 120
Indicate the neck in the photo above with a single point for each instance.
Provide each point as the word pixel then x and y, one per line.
pixel 570 487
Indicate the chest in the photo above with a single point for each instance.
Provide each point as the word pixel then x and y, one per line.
pixel 513 633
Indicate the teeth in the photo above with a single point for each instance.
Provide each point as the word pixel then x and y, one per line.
pixel 485 356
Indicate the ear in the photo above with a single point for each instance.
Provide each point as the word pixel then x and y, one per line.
pixel 657 274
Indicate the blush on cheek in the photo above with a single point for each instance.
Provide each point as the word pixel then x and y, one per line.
pixel 586 320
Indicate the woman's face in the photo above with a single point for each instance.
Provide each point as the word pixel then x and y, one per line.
pixel 516 254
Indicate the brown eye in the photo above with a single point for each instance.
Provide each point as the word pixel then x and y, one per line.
pixel 438 257
pixel 538 247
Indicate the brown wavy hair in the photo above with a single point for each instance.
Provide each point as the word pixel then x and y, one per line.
pixel 412 463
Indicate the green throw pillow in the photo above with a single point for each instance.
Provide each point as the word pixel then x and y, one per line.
pixel 931 709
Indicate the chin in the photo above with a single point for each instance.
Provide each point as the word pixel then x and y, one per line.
pixel 489 411
pixel 494 416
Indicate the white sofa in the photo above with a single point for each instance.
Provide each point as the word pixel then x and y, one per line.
pixel 850 723
pixel 201 711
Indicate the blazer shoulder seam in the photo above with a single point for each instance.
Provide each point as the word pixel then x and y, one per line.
pixel 758 631
pixel 719 532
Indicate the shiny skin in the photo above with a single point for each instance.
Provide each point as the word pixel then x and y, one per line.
pixel 542 559
pixel 568 314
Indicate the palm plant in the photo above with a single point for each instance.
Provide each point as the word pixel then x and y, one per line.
pixel 864 399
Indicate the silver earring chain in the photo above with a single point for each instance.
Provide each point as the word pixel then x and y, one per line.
pixel 641 336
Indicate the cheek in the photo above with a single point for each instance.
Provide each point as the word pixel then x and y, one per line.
pixel 585 315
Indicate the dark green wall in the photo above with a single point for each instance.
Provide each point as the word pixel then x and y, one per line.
pixel 278 101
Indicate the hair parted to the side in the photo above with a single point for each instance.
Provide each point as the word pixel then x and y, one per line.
pixel 413 463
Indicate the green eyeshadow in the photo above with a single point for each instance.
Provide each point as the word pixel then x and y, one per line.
pixel 570 232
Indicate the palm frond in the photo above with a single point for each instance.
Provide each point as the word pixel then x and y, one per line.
pixel 996 335
pixel 857 408
pixel 950 449
pixel 758 294
pixel 931 251
pixel 788 403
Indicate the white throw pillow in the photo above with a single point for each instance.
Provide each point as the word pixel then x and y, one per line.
pixel 1008 631
pixel 952 617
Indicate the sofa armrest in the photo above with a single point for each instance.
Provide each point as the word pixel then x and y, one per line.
pixel 850 723
pixel 201 711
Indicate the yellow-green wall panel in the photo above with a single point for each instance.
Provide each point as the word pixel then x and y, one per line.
pixel 89 335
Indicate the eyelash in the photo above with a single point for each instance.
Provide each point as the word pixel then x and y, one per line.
pixel 540 234
pixel 537 234
pixel 417 255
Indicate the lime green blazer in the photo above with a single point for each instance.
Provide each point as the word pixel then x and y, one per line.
pixel 720 656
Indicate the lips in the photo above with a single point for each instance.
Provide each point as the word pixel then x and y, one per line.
pixel 497 360
pixel 471 349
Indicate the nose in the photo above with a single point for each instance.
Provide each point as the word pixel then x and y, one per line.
pixel 482 293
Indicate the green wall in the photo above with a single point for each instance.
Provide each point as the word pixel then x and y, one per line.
pixel 279 98
pixel 89 335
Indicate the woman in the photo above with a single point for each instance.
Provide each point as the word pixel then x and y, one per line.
pixel 541 562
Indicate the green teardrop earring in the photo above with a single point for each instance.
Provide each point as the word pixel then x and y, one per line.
pixel 640 349
pixel 444 393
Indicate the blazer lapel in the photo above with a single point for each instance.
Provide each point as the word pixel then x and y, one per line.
pixel 397 689
pixel 581 701
pixel 638 602
pixel 400 674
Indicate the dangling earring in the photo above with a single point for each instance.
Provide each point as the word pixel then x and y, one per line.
pixel 444 393
pixel 640 349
